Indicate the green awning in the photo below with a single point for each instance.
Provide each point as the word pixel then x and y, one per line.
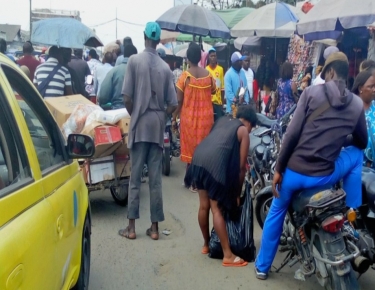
pixel 230 16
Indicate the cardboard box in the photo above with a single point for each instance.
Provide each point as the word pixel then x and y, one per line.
pixel 106 138
pixel 123 165
pixel 124 125
pixel 100 169
pixel 123 149
pixel 62 107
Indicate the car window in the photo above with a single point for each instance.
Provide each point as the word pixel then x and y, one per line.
pixel 48 145
pixel 14 167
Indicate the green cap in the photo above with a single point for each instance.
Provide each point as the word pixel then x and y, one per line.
pixel 153 31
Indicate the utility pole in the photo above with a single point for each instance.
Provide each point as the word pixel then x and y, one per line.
pixel 30 27
pixel 116 23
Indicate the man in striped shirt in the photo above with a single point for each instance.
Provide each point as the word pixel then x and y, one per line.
pixel 60 83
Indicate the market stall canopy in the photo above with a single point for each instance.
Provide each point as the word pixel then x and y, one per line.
pixel 328 18
pixel 247 41
pixel 64 32
pixel 194 19
pixel 168 36
pixel 273 20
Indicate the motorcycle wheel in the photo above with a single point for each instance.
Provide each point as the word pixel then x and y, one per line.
pixel 166 162
pixel 262 208
pixel 347 282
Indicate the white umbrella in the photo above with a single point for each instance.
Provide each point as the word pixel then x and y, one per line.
pixel 247 41
pixel 273 20
pixel 328 18
pixel 167 51
pixel 181 50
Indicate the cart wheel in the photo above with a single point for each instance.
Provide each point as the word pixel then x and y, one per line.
pixel 120 194
pixel 166 162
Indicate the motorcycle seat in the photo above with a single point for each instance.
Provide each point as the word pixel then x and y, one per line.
pixel 312 197
pixel 265 121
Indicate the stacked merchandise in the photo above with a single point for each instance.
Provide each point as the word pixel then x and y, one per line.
pixel 109 129
pixel 300 54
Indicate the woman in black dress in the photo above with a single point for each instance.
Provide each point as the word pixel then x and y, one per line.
pixel 218 170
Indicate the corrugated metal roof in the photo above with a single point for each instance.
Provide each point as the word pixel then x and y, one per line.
pixel 10 31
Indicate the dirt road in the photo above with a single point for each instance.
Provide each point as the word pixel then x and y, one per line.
pixel 174 262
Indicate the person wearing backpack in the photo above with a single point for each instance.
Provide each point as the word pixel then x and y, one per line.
pixel 51 78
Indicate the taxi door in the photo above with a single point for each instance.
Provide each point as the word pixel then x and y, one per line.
pixel 62 182
pixel 27 224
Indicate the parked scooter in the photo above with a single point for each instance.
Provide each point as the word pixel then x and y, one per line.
pixel 312 236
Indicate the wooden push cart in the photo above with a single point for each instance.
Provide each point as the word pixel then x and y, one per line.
pixel 111 172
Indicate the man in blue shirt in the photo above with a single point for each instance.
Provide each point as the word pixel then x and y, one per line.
pixel 111 87
pixel 235 79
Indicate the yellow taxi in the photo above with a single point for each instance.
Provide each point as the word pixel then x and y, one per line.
pixel 45 222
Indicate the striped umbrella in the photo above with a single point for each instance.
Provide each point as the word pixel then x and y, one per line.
pixel 273 20
pixel 194 19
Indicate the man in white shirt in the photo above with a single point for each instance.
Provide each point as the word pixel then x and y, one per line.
pixel 249 77
pixel 102 71
pixel 327 52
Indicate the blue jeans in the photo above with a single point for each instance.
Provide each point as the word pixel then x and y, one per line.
pixel 348 167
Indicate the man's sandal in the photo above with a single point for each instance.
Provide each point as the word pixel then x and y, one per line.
pixel 126 233
pixel 153 235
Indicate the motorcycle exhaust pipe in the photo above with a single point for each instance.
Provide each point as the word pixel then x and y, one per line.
pixel 361 264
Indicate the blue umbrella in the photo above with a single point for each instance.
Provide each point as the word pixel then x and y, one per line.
pixel 64 32
pixel 194 19
pixel 273 20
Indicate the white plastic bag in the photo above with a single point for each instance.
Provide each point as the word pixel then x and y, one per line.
pixel 111 117
pixel 76 121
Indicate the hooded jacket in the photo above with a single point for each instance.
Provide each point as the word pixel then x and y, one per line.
pixel 311 149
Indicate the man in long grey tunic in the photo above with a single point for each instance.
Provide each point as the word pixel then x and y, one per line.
pixel 148 86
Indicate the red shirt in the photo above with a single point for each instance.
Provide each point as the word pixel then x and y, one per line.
pixel 31 62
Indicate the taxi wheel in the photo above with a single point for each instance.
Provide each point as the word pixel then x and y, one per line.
pixel 84 274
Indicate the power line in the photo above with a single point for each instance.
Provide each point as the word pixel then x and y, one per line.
pixel 132 23
pixel 103 23
pixel 126 22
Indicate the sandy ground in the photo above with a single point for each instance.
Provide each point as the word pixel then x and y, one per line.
pixel 174 262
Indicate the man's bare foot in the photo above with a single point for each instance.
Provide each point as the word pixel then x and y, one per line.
pixel 128 233
pixel 205 250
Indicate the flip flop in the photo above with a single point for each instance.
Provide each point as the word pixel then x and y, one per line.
pixel 125 233
pixel 205 250
pixel 238 262
pixel 152 235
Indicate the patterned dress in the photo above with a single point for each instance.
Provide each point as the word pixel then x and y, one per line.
pixel 370 119
pixel 196 115
pixel 285 97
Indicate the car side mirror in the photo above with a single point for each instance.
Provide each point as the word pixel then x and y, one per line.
pixel 80 146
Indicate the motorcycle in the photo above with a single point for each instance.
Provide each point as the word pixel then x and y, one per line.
pixel 312 236
pixel 171 147
pixel 265 143
pixel 365 223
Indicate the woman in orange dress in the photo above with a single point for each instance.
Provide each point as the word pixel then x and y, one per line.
pixel 194 90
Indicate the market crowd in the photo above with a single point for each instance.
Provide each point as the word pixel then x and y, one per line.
pixel 217 111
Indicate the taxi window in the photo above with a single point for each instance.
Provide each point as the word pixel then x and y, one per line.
pixel 47 144
pixel 14 167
